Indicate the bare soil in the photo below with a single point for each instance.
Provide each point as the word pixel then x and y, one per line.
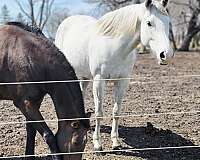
pixel 160 89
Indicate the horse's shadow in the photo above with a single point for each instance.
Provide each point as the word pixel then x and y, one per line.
pixel 150 137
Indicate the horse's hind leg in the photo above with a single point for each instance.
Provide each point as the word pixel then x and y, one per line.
pixel 98 92
pixel 30 141
pixel 31 112
pixel 119 89
pixel 83 84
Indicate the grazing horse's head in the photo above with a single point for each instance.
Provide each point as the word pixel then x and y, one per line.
pixel 72 137
pixel 155 26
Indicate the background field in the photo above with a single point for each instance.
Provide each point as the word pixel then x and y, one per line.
pixel 165 89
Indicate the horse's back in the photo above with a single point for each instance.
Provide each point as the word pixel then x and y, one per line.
pixel 72 39
pixel 25 56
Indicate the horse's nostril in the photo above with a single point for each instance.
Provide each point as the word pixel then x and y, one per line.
pixel 162 55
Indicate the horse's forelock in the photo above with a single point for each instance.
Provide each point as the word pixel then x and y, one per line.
pixel 160 8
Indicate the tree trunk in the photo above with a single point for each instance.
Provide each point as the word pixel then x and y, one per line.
pixel 186 43
pixel 193 29
pixel 187 40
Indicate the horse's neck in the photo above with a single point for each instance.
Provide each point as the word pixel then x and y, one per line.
pixel 124 21
pixel 67 100
pixel 68 104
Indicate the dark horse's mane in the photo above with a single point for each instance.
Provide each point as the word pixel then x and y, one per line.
pixel 26 27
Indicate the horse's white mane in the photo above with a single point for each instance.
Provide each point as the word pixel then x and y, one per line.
pixel 118 22
pixel 124 20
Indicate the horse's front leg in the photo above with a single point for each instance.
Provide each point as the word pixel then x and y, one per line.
pixel 119 89
pixel 30 141
pixel 31 112
pixel 98 93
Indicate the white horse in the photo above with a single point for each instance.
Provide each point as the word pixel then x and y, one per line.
pixel 106 48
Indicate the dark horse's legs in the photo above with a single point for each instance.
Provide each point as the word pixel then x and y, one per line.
pixel 31 111
pixel 30 141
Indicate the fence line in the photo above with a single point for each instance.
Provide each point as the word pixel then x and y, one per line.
pixel 108 117
pixel 113 79
pixel 105 151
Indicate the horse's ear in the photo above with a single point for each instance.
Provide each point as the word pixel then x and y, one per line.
pixel 148 3
pixel 164 2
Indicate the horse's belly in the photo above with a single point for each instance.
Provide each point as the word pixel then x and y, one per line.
pixel 117 70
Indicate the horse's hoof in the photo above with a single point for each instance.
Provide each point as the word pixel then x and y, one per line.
pixel 99 151
pixel 118 150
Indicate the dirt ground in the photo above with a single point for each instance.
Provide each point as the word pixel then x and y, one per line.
pixel 160 89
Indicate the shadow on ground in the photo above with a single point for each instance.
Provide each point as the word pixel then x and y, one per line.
pixel 150 137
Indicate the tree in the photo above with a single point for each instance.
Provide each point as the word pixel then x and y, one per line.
pixel 37 12
pixel 58 15
pixel 193 27
pixel 190 19
pixel 5 16
pixel 20 18
pixel 113 4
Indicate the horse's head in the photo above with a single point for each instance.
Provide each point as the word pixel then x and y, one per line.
pixel 155 26
pixel 72 137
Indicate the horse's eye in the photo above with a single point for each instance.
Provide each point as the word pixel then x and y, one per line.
pixel 149 24
pixel 75 125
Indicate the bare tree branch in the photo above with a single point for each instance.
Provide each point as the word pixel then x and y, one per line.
pixel 43 11
pixel 31 4
pixel 22 9
pixel 48 13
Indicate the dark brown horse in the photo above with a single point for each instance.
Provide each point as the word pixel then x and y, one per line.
pixel 27 57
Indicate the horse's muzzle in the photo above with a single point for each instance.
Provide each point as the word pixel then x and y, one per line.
pixel 164 62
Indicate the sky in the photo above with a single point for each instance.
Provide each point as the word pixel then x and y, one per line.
pixel 74 6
